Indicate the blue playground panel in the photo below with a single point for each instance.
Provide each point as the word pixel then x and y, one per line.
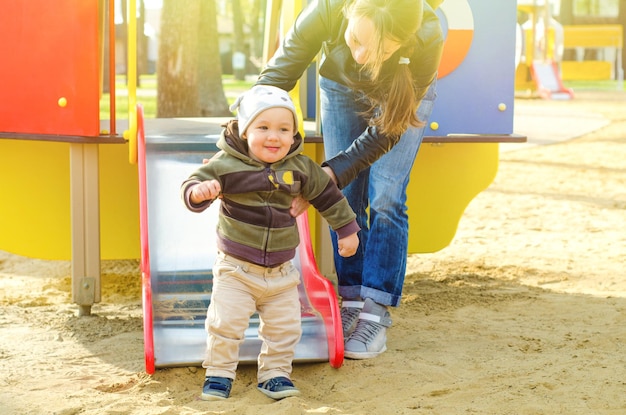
pixel 468 99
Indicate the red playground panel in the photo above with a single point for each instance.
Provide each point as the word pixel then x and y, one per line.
pixel 50 68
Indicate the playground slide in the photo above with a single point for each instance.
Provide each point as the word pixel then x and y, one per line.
pixel 178 251
pixel 548 81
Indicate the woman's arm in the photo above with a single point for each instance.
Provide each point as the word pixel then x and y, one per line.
pixel 362 153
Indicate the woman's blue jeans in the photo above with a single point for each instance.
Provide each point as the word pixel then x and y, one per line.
pixel 377 269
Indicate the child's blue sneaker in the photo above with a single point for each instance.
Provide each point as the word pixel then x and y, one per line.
pixel 216 388
pixel 278 388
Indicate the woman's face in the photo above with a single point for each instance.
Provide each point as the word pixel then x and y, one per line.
pixel 359 38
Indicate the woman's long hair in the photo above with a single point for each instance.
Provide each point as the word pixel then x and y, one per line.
pixel 391 92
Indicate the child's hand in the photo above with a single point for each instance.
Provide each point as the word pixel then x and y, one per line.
pixel 207 190
pixel 347 246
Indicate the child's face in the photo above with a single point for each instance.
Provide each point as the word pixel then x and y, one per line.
pixel 270 134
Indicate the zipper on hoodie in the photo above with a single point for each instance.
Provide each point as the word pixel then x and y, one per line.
pixel 271 177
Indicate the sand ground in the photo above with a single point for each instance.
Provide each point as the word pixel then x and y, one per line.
pixel 523 313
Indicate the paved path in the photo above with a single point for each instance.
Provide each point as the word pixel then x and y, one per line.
pixel 549 125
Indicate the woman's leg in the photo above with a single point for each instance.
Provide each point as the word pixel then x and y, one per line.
pixel 341 125
pixel 384 259
pixel 377 270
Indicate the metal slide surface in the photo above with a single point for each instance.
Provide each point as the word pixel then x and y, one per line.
pixel 178 252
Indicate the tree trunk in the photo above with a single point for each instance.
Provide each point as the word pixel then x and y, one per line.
pixel 566 13
pixel 213 101
pixel 566 17
pixel 142 43
pixel 256 28
pixel 239 53
pixel 189 70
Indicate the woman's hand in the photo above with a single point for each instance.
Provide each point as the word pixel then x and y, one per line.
pixel 298 206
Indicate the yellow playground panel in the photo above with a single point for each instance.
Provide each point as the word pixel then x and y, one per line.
pixel 35 213
pixel 450 193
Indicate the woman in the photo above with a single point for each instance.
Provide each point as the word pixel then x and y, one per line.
pixel 377 79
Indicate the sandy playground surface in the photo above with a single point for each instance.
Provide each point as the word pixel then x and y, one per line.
pixel 524 312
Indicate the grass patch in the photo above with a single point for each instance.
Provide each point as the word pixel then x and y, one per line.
pixel 607 85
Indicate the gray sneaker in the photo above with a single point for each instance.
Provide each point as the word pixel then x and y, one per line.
pixel 369 337
pixel 350 310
